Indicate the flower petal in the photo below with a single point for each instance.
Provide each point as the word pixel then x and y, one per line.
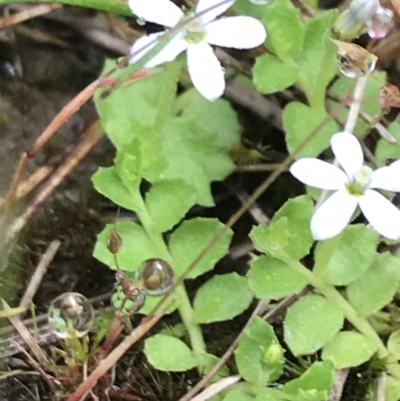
pixel 381 213
pixel 229 32
pixel 348 152
pixel 176 46
pixel 214 12
pixel 162 12
pixel 333 215
pixel 319 174
pixel 205 70
pixel 385 178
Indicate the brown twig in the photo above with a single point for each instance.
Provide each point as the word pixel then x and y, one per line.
pixel 28 13
pixel 90 138
pixel 107 363
pixel 40 271
pixel 338 385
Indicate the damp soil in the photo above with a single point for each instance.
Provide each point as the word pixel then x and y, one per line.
pixel 37 78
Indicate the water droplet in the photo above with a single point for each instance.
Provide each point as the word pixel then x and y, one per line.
pixel 70 315
pixel 114 242
pixel 140 21
pixel 155 276
pixel 351 69
pixel 128 301
pixel 259 2
pixel 380 23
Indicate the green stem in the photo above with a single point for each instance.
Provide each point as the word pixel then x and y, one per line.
pixel 185 307
pixel 114 6
pixel 167 95
pixel 360 323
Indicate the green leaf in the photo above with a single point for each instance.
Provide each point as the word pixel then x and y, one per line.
pixel 196 156
pixel 107 182
pixel 128 165
pixel 313 385
pixel 349 349
pixel 317 61
pixel 293 237
pixel 285 29
pixel 392 392
pixel 245 7
pixel 221 119
pixel 211 361
pixel 352 257
pixel 190 239
pixel 300 121
pixel 136 102
pixel 159 348
pixel 393 344
pixel 344 88
pixel 136 246
pixel 377 287
pixel 238 395
pixel 271 278
pixel 298 212
pixel 273 75
pixel 310 323
pixel 222 298
pixel 270 395
pixel 168 201
pixel 259 356
pixel 384 149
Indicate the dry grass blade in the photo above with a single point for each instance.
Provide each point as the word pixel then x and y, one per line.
pixel 216 388
pixel 28 13
pixel 27 336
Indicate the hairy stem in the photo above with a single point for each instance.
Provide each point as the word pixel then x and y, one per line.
pixel 185 307
pixel 360 323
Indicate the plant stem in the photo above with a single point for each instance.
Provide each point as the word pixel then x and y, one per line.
pixel 185 307
pixel 360 323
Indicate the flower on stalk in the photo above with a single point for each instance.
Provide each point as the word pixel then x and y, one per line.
pixel 355 185
pixel 195 37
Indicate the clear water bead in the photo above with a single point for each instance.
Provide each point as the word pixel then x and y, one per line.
pixel 380 23
pixel 351 69
pixel 155 277
pixel 70 315
pixel 141 21
pixel 127 301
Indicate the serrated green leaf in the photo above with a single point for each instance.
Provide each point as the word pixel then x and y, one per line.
pixel 393 344
pixel 270 395
pixel 273 239
pixel 300 121
pixel 221 119
pixel 392 392
pixel 107 182
pixel 117 118
pixel 310 323
pixel 238 395
pixel 210 362
pixel 272 75
pixel 352 257
pixel 317 61
pixel 349 349
pixel 222 298
pixel 285 29
pixel 384 149
pixel 159 348
pixel 344 88
pixel 128 165
pixel 190 238
pixel 196 156
pixel 271 278
pixel 136 246
pixel 313 385
pixel 168 201
pixel 298 212
pixel 377 287
pixel 259 356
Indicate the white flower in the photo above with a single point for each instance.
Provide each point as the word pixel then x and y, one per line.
pixel 207 75
pixel 354 186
